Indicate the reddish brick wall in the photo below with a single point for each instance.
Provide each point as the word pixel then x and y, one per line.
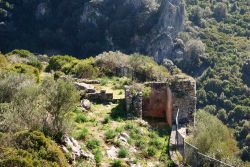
pixel 159 103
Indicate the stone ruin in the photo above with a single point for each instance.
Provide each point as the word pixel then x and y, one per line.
pixel 164 100
pixel 89 92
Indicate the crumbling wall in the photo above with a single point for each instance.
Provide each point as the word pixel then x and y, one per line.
pixel 133 102
pixel 184 98
pixel 164 100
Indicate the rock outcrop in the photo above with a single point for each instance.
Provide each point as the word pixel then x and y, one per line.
pixel 93 26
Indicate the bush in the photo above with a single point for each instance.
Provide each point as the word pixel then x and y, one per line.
pixel 85 69
pixel 220 11
pixel 61 99
pixel 21 53
pixel 156 142
pixel 212 137
pixel 58 74
pixel 98 156
pixel 93 144
pixel 117 163
pixel 30 149
pixel 110 134
pixel 3 61
pixel 82 134
pixel 151 151
pixel 59 63
pixel 106 120
pixel 123 153
pixel 80 118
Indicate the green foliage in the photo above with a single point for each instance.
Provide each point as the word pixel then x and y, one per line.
pixel 82 135
pixel 61 63
pixel 30 149
pixel 85 69
pixel 151 151
pixel 143 68
pixel 146 92
pixel 3 61
pixel 123 152
pixel 44 106
pixel 98 156
pixel 117 163
pixel 110 134
pixel 93 144
pixel 220 11
pixel 81 118
pixel 212 137
pixel 21 53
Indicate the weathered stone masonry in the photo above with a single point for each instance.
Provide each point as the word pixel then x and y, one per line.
pixel 164 100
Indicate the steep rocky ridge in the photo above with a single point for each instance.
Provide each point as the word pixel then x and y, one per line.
pixel 91 27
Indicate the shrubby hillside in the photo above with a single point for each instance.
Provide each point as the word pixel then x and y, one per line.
pixel 223 87
pixel 212 45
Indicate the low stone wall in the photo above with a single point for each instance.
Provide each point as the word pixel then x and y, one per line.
pixel 102 96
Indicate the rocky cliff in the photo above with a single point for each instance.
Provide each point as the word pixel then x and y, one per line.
pixel 88 27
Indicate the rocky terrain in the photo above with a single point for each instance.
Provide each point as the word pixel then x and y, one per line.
pixel 91 27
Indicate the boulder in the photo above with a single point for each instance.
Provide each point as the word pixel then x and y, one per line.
pixel 76 150
pixel 112 152
pixel 86 104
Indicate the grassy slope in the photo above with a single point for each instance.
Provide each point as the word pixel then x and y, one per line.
pixel 104 118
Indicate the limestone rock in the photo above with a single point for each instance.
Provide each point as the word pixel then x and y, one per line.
pixel 87 87
pixel 86 104
pixel 76 150
pixel 112 152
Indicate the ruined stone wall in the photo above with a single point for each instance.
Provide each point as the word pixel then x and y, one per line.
pixel 164 100
pixel 184 98
pixel 133 103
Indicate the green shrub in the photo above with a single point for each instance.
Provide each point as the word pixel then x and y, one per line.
pixel 117 163
pixel 82 134
pixel 85 69
pixel 93 144
pixel 58 63
pixel 110 134
pixel 21 53
pixel 98 156
pixel 3 61
pixel 156 142
pixel 106 120
pixel 151 151
pixel 123 153
pixel 58 74
pixel 30 149
pixel 141 144
pixel 81 118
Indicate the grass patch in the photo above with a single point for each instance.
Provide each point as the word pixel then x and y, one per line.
pixel 98 156
pixel 82 135
pixel 151 151
pixel 117 163
pixel 81 118
pixel 123 153
pixel 93 144
pixel 110 134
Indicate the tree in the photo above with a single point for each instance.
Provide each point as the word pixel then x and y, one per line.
pixel 246 72
pixel 220 11
pixel 195 49
pixel 196 15
pixel 212 137
pixel 61 98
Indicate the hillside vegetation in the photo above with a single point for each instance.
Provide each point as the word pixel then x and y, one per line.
pixel 223 88
pixel 214 48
